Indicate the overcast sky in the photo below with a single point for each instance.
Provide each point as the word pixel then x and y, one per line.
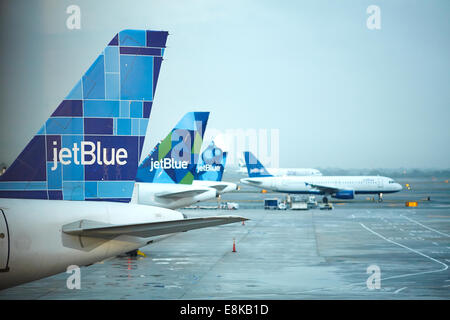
pixel 340 95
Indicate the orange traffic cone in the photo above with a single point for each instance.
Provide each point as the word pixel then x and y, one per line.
pixel 234 245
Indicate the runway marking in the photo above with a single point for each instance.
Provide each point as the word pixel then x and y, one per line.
pixel 388 278
pixel 363 283
pixel 445 267
pixel 442 233
pixel 410 249
pixel 399 290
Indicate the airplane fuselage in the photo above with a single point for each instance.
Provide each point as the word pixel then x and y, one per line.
pixel 279 172
pixel 33 246
pixel 305 185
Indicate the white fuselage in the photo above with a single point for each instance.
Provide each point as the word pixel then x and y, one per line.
pixel 303 185
pixel 33 245
pixel 157 194
pixel 280 172
pixel 220 186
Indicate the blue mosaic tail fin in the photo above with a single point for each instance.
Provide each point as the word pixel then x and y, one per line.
pixel 254 167
pixel 174 160
pixel 211 164
pixel 90 146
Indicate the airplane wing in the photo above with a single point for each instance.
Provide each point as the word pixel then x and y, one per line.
pixel 218 187
pixel 180 194
pixel 89 228
pixel 254 181
pixel 323 188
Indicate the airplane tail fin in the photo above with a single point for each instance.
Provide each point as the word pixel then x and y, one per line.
pixel 211 164
pixel 254 167
pixel 89 148
pixel 174 160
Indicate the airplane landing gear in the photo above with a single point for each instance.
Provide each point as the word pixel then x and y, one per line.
pixel 219 198
pixel 325 200
pixel 380 197
pixel 132 253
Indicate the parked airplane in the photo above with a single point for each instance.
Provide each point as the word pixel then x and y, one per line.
pixel 165 177
pixel 210 170
pixel 256 169
pixel 340 187
pixel 88 149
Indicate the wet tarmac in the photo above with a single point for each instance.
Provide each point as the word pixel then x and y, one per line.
pixel 313 254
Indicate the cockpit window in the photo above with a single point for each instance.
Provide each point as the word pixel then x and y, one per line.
pixel 391 181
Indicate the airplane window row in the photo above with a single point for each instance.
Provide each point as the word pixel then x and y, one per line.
pixel 350 182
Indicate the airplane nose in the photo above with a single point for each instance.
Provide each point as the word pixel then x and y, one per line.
pixel 399 187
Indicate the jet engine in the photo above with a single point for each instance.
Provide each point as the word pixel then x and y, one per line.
pixel 344 194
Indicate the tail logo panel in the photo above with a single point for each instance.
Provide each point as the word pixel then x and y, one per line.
pixel 254 167
pixel 175 158
pixel 90 146
pixel 212 164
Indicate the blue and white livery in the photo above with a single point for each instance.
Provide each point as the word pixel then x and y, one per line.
pixel 90 146
pixel 165 177
pixel 256 169
pixel 210 170
pixel 88 150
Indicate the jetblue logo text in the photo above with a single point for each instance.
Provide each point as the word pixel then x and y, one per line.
pixel 256 170
pixel 208 167
pixel 89 153
pixel 168 163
